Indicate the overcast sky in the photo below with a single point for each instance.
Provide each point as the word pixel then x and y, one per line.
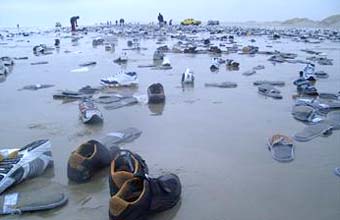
pixel 47 12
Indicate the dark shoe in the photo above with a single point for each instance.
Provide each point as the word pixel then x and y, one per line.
pixel 87 159
pixel 141 196
pixel 124 166
pixel 156 93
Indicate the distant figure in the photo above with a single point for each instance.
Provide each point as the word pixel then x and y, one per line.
pixel 116 22
pixel 170 22
pixel 160 19
pixel 18 26
pixel 74 23
pixel 301 74
pixel 121 22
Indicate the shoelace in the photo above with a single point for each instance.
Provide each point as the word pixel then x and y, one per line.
pixel 7 164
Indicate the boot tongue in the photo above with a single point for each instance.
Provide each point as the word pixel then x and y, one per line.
pixel 119 178
pixel 125 162
pixel 124 168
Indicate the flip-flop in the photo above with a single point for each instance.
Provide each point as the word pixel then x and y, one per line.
pixel 45 198
pixel 221 85
pixel 281 147
pixel 303 113
pixel 121 137
pixel 270 91
pixel 314 130
pixel 333 118
pixel 107 99
pixel 125 101
pixel 272 83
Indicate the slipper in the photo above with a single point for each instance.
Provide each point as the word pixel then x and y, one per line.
pixel 272 83
pixel 304 113
pixel 333 118
pixel 281 147
pixel 45 198
pixel 107 99
pixel 221 85
pixel 314 130
pixel 125 101
pixel 121 137
pixel 270 91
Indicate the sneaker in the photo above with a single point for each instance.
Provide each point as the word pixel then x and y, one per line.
pixel 87 159
pixel 126 165
pixel 158 55
pixel 122 59
pixel 141 196
pixel 7 61
pixel 215 64
pixel 89 112
pixel 121 79
pixel 166 62
pixel 29 161
pixel 3 69
pixel 188 77
pixel 232 64
pixel 156 93
pixel 309 70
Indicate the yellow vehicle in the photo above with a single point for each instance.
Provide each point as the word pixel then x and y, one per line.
pixel 190 21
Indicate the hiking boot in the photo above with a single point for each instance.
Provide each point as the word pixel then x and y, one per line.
pixel 87 159
pixel 125 165
pixel 140 196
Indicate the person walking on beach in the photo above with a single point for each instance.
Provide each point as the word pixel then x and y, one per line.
pixel 121 22
pixel 74 23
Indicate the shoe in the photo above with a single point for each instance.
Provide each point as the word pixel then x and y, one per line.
pixel 7 61
pixel 166 62
pixel 188 77
pixel 87 159
pixel 156 93
pixel 29 161
pixel 121 79
pixel 3 69
pixel 270 91
pixel 232 63
pixel 141 196
pixel 309 70
pixel 125 165
pixel 215 64
pixel 122 59
pixel 281 147
pixel 89 112
pixel 158 55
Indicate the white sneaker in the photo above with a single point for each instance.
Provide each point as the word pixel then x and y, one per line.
pixel 166 62
pixel 215 64
pixel 123 58
pixel 158 55
pixel 89 112
pixel 3 69
pixel 121 79
pixel 309 71
pixel 188 77
pixel 30 161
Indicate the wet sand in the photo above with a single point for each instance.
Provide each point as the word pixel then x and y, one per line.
pixel 214 139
